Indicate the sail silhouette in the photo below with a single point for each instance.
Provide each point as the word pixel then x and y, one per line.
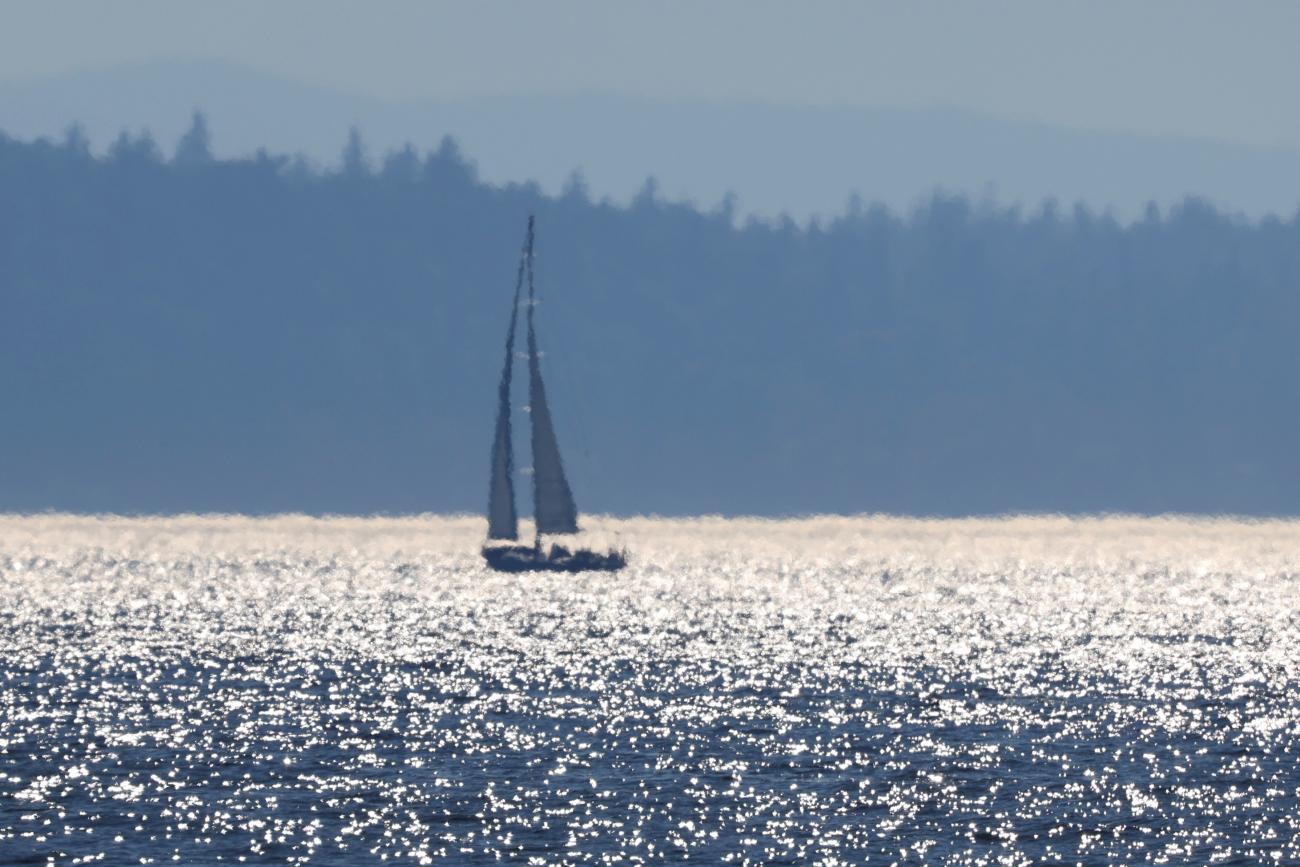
pixel 503 522
pixel 553 506
pixel 554 509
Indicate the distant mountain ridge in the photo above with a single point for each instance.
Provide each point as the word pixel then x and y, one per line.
pixel 775 159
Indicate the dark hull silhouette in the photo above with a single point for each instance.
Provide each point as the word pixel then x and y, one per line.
pixel 526 558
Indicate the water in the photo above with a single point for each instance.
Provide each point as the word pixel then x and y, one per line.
pixel 830 691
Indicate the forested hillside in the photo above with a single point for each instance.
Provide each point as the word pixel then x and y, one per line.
pixel 179 333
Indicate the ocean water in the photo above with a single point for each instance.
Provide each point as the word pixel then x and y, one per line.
pixel 822 691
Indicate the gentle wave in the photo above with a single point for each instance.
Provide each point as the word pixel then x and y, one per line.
pixel 819 690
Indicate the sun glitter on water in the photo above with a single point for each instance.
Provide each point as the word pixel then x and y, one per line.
pixel 1026 690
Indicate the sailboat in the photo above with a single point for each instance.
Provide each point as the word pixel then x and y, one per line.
pixel 554 510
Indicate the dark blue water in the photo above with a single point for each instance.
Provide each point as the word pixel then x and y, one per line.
pixel 951 695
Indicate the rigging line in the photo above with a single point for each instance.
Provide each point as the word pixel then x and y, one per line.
pixel 581 467
pixel 563 365
pixel 553 496
pixel 526 265
pixel 503 515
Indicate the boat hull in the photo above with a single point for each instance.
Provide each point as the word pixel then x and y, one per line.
pixel 524 558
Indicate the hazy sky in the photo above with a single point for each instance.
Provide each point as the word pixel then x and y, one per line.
pixel 1223 70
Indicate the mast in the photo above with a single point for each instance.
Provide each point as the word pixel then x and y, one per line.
pixel 554 510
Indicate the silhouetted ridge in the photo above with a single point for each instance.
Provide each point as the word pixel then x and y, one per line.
pixel 261 335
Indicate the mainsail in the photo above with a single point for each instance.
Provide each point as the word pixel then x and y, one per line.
pixel 553 506
pixel 503 523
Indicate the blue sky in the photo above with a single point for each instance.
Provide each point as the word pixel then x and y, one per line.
pixel 1213 70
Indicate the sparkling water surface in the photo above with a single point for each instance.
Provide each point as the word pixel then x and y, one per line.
pixel 822 691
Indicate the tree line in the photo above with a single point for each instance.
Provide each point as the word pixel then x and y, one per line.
pixel 189 333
